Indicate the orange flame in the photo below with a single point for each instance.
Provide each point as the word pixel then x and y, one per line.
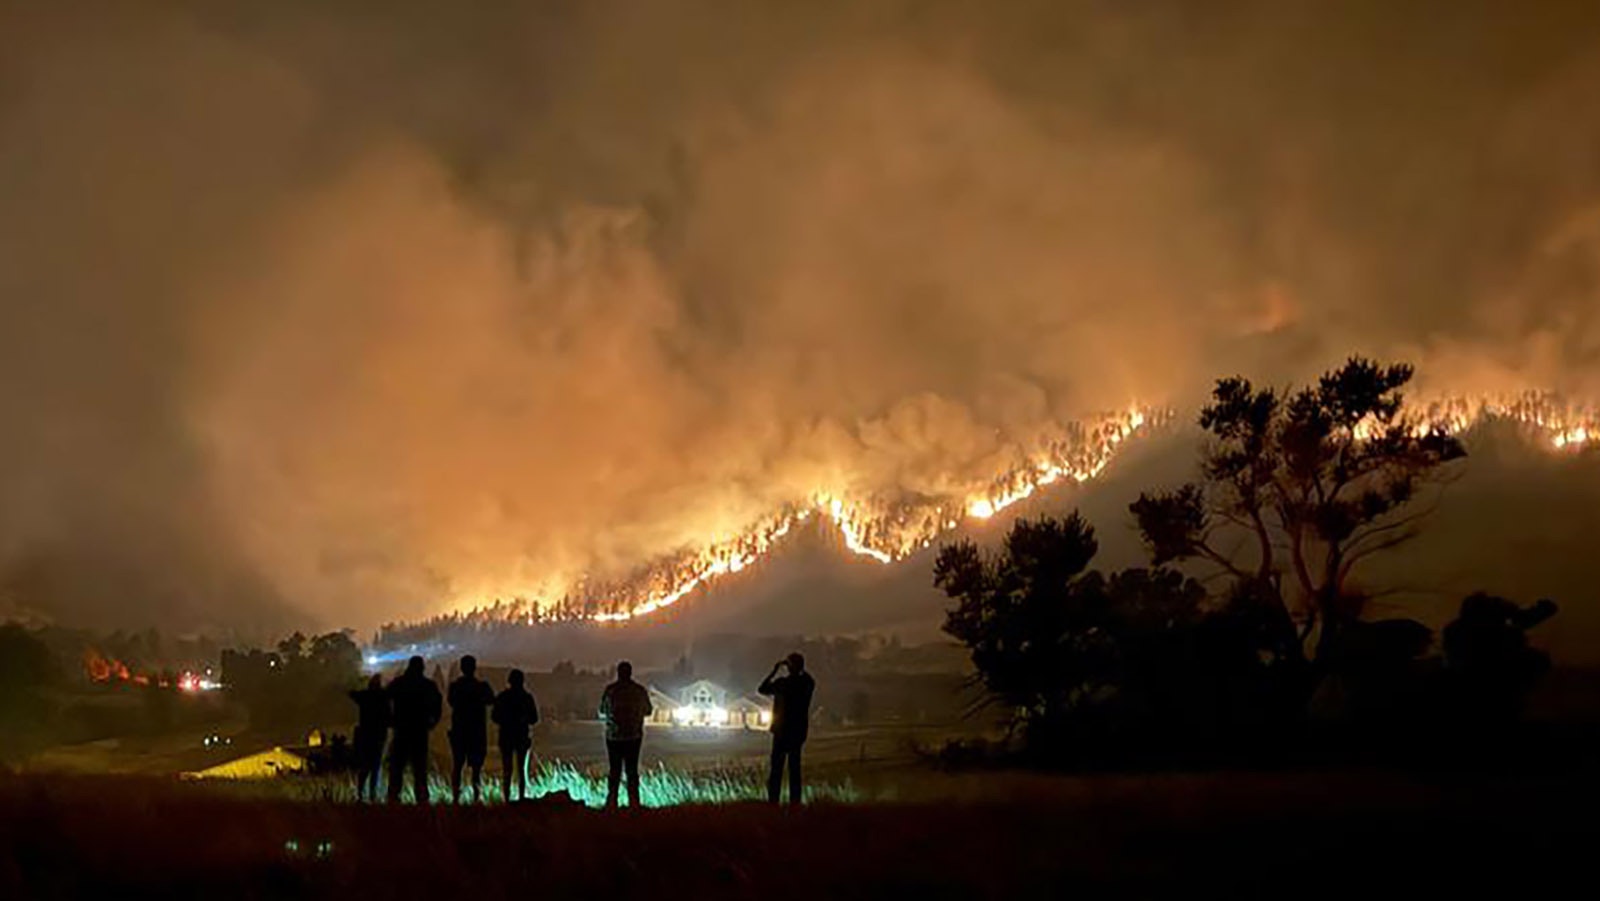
pixel 890 531
pixel 102 669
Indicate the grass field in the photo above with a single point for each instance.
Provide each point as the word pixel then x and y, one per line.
pixel 985 836
pixel 882 824
pixel 725 765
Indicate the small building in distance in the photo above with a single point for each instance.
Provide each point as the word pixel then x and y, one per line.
pixel 705 704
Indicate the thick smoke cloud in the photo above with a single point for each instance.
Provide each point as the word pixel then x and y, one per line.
pixel 360 311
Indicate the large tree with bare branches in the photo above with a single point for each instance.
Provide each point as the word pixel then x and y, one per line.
pixel 1297 489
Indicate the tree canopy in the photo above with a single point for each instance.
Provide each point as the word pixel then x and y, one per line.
pixel 305 678
pixel 1052 639
pixel 1297 488
pixel 1251 616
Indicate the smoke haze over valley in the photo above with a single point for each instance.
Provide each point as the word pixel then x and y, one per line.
pixel 312 311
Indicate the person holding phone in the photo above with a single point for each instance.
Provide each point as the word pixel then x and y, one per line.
pixel 791 717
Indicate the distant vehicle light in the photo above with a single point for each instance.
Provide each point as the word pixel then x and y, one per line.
pixel 191 683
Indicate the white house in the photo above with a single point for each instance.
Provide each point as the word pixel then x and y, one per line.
pixel 706 704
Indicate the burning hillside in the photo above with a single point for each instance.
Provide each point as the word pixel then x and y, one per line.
pixel 887 532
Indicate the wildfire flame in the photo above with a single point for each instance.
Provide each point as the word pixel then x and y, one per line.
pixel 889 530
pixel 1562 425
pixel 102 669
pixel 883 531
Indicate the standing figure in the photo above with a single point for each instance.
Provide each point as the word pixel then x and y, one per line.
pixel 791 717
pixel 415 707
pixel 470 699
pixel 372 730
pixel 515 712
pixel 624 707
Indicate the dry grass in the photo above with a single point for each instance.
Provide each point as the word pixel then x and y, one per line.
pixel 997 837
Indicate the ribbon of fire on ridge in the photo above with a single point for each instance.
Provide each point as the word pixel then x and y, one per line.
pixel 890 532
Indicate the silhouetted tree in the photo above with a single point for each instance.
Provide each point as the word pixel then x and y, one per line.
pixel 1488 659
pixel 1056 642
pixel 1315 481
pixel 1378 669
pixel 335 656
pixel 1152 618
pixel 27 670
pixel 1028 617
pixel 292 647
pixel 304 681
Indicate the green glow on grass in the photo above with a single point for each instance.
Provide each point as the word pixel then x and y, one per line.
pixel 659 786
pixel 662 787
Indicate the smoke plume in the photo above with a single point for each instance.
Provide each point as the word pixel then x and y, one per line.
pixel 356 311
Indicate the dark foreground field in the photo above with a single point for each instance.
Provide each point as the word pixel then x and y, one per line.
pixel 1286 835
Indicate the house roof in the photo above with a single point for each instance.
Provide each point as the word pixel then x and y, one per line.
pixel 697 684
pixel 724 697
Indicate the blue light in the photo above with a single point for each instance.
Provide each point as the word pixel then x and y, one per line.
pixel 376 658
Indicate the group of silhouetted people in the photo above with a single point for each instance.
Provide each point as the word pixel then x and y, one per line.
pixel 411 706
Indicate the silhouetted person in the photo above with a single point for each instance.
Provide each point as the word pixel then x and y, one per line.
pixel 515 712
pixel 415 707
pixel 470 699
pixel 372 730
pixel 624 707
pixel 791 719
